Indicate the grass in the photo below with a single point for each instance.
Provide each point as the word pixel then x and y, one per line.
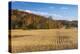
pixel 44 39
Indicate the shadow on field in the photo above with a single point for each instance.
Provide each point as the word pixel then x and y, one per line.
pixel 18 36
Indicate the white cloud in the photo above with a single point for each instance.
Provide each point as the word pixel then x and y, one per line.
pixel 40 13
pixel 57 15
pixel 35 12
pixel 28 11
pixel 60 17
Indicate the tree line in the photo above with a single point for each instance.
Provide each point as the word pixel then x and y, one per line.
pixel 25 20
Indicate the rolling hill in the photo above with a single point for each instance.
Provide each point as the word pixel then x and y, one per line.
pixel 27 20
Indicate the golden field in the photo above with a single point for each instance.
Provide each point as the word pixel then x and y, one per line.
pixel 43 39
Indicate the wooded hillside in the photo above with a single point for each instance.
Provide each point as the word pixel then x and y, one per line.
pixel 24 20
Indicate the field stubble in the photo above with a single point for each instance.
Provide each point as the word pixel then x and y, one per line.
pixel 44 39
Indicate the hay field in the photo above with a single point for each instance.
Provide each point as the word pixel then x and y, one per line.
pixel 44 39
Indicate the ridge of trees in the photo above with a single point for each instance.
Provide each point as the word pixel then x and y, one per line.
pixel 25 20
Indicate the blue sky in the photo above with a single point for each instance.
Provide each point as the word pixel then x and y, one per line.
pixel 57 11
